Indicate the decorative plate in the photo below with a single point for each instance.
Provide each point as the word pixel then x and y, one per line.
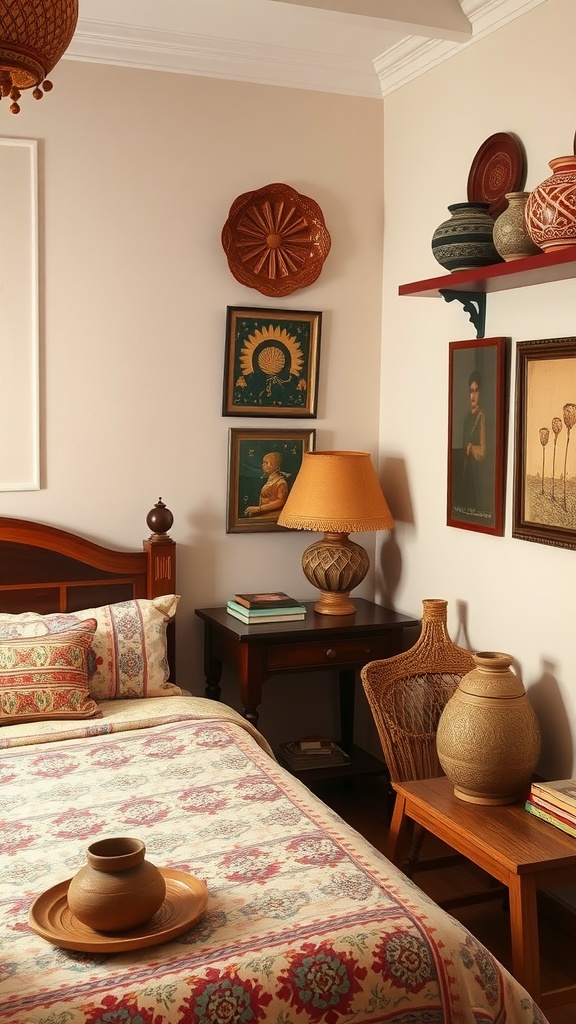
pixel 275 239
pixel 498 167
pixel 186 899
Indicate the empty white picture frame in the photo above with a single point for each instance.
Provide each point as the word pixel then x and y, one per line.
pixel 19 331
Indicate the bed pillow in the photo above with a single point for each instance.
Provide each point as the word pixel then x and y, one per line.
pixel 46 677
pixel 129 650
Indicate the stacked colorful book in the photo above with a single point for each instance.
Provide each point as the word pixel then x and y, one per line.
pixel 312 752
pixel 554 802
pixel 256 609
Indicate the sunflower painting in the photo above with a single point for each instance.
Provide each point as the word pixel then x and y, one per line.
pixel 272 362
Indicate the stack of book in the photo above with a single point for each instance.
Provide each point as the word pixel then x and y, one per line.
pixel 312 752
pixel 554 802
pixel 255 609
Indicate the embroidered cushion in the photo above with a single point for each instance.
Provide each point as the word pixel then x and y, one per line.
pixel 47 676
pixel 129 651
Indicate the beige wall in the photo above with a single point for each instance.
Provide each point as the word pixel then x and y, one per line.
pixel 137 172
pixel 516 596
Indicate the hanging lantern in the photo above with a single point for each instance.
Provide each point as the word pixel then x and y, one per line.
pixel 34 34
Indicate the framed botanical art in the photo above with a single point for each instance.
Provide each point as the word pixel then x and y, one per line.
pixel 545 442
pixel 262 466
pixel 271 362
pixel 476 434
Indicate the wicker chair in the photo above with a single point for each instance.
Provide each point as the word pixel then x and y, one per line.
pixel 407 694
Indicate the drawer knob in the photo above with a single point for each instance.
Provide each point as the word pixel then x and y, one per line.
pixel 330 652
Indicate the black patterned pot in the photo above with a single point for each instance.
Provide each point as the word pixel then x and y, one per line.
pixel 465 240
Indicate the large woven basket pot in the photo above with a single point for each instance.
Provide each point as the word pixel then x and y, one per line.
pixel 488 738
pixel 551 207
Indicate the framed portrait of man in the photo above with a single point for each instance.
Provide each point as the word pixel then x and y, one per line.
pixel 477 434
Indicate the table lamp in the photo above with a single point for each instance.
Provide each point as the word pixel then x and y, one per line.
pixel 336 493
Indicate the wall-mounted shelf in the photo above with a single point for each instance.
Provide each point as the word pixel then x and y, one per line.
pixel 471 286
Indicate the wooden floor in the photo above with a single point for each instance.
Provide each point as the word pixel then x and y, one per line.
pixel 362 802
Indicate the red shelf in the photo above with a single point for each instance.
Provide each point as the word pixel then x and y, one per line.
pixel 559 265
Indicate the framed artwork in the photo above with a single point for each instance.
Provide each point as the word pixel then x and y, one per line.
pixel 262 466
pixel 271 362
pixel 545 442
pixel 477 435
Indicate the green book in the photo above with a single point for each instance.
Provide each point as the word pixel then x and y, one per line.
pixel 550 818
pixel 257 613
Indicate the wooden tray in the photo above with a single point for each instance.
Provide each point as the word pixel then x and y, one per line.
pixel 186 899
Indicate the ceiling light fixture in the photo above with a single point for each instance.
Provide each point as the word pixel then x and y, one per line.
pixel 34 34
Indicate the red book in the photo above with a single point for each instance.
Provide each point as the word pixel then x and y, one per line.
pixel 559 812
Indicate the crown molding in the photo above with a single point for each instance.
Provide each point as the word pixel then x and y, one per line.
pixel 414 56
pixel 269 63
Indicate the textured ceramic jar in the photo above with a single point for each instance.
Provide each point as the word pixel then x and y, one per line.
pixel 117 889
pixel 511 236
pixel 488 738
pixel 551 207
pixel 465 240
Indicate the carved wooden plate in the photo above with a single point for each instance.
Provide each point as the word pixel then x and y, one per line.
pixel 186 899
pixel 275 239
pixel 498 167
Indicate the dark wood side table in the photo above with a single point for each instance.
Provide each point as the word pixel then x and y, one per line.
pixel 341 642
pixel 522 852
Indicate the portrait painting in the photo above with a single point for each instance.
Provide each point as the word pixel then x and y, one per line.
pixel 271 362
pixel 476 435
pixel 545 442
pixel 262 467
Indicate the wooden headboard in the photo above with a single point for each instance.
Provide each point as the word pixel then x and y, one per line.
pixel 44 569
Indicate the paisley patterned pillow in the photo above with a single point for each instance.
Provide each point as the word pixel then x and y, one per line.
pixel 129 652
pixel 47 676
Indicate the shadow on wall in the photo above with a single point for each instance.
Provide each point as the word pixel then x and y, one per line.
pixel 557 746
pixel 397 491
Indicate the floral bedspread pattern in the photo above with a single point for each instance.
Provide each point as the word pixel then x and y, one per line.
pixel 305 921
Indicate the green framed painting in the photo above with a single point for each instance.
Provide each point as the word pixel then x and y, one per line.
pixel 262 467
pixel 272 361
pixel 477 434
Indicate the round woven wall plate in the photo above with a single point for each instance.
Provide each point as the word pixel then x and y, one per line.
pixel 275 239
pixel 498 167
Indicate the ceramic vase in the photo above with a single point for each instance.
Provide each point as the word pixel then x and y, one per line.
pixel 465 240
pixel 511 236
pixel 488 738
pixel 551 207
pixel 117 889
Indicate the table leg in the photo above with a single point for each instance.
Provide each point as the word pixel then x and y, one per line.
pixel 398 832
pixel 524 933
pixel 347 683
pixel 212 667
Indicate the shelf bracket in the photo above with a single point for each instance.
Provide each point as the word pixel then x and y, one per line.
pixel 474 304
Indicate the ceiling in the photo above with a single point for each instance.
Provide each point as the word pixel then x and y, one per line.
pixel 355 47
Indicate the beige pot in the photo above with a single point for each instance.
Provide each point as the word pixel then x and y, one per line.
pixel 488 738
pixel 117 889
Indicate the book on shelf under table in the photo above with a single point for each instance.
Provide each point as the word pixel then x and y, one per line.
pixel 551 819
pixel 305 759
pixel 560 792
pixel 291 615
pixel 275 599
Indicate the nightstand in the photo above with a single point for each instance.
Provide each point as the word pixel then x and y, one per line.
pixel 319 642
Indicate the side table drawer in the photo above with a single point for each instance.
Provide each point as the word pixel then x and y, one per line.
pixel 354 652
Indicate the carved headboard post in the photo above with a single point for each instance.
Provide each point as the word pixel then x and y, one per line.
pixel 160 551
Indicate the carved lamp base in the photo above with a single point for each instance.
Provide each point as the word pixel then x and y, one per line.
pixel 335 565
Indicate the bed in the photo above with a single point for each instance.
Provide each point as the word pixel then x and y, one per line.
pixel 304 921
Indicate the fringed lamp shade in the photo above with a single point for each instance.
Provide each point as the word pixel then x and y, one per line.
pixel 336 493
pixel 34 34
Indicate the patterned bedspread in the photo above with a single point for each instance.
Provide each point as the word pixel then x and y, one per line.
pixel 305 921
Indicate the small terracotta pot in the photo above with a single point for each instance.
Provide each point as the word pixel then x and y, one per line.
pixel 117 889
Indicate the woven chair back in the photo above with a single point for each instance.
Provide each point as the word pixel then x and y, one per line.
pixel 407 694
